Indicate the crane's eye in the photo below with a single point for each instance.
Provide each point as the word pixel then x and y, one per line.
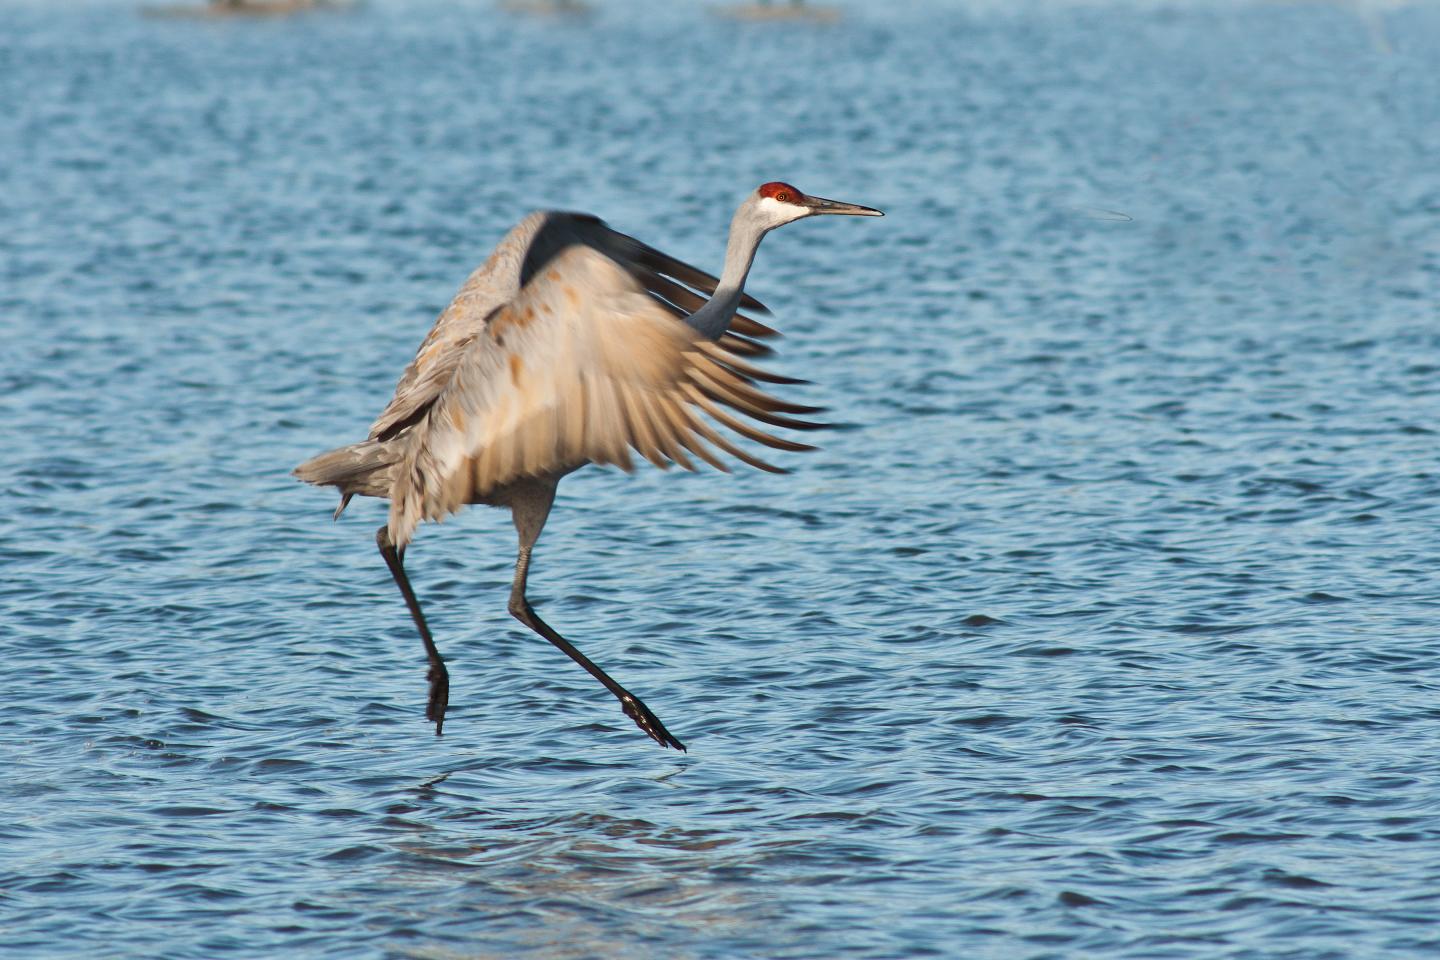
pixel 783 197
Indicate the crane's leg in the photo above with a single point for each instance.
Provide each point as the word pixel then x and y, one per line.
pixel 530 507
pixel 438 676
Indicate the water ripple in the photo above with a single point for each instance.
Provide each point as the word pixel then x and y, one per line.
pixel 1101 627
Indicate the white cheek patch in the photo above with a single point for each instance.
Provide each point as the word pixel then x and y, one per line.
pixel 775 210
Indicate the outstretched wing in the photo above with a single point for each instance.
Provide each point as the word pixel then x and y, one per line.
pixel 585 364
pixel 522 252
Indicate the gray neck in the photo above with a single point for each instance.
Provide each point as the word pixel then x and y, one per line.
pixel 714 317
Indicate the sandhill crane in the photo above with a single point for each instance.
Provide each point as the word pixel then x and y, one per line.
pixel 572 344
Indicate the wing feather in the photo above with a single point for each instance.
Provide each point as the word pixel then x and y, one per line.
pixel 682 422
pixel 743 346
pixel 637 426
pixel 670 442
pixel 684 302
pixel 584 364
pixel 708 433
pixel 744 429
pixel 727 387
pixel 742 367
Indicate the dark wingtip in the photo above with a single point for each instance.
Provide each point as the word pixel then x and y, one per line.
pixel 750 303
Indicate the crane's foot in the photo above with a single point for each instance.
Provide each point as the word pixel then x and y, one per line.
pixel 439 696
pixel 636 710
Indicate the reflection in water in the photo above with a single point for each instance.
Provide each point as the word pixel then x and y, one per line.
pixel 591 874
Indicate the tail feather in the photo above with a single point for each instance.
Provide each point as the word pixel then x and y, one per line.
pixel 361 468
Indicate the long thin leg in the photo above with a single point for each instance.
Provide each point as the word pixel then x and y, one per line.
pixel 438 676
pixel 531 507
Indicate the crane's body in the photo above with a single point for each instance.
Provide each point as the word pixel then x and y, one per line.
pixel 571 344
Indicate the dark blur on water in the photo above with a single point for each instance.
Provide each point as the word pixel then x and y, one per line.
pixel 1107 630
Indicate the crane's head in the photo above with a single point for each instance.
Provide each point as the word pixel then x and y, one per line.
pixel 778 203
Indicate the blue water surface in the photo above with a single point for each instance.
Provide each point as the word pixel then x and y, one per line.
pixel 1105 627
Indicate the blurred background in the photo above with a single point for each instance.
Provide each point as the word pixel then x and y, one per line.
pixel 1104 627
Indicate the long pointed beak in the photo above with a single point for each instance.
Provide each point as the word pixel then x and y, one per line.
pixel 821 205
